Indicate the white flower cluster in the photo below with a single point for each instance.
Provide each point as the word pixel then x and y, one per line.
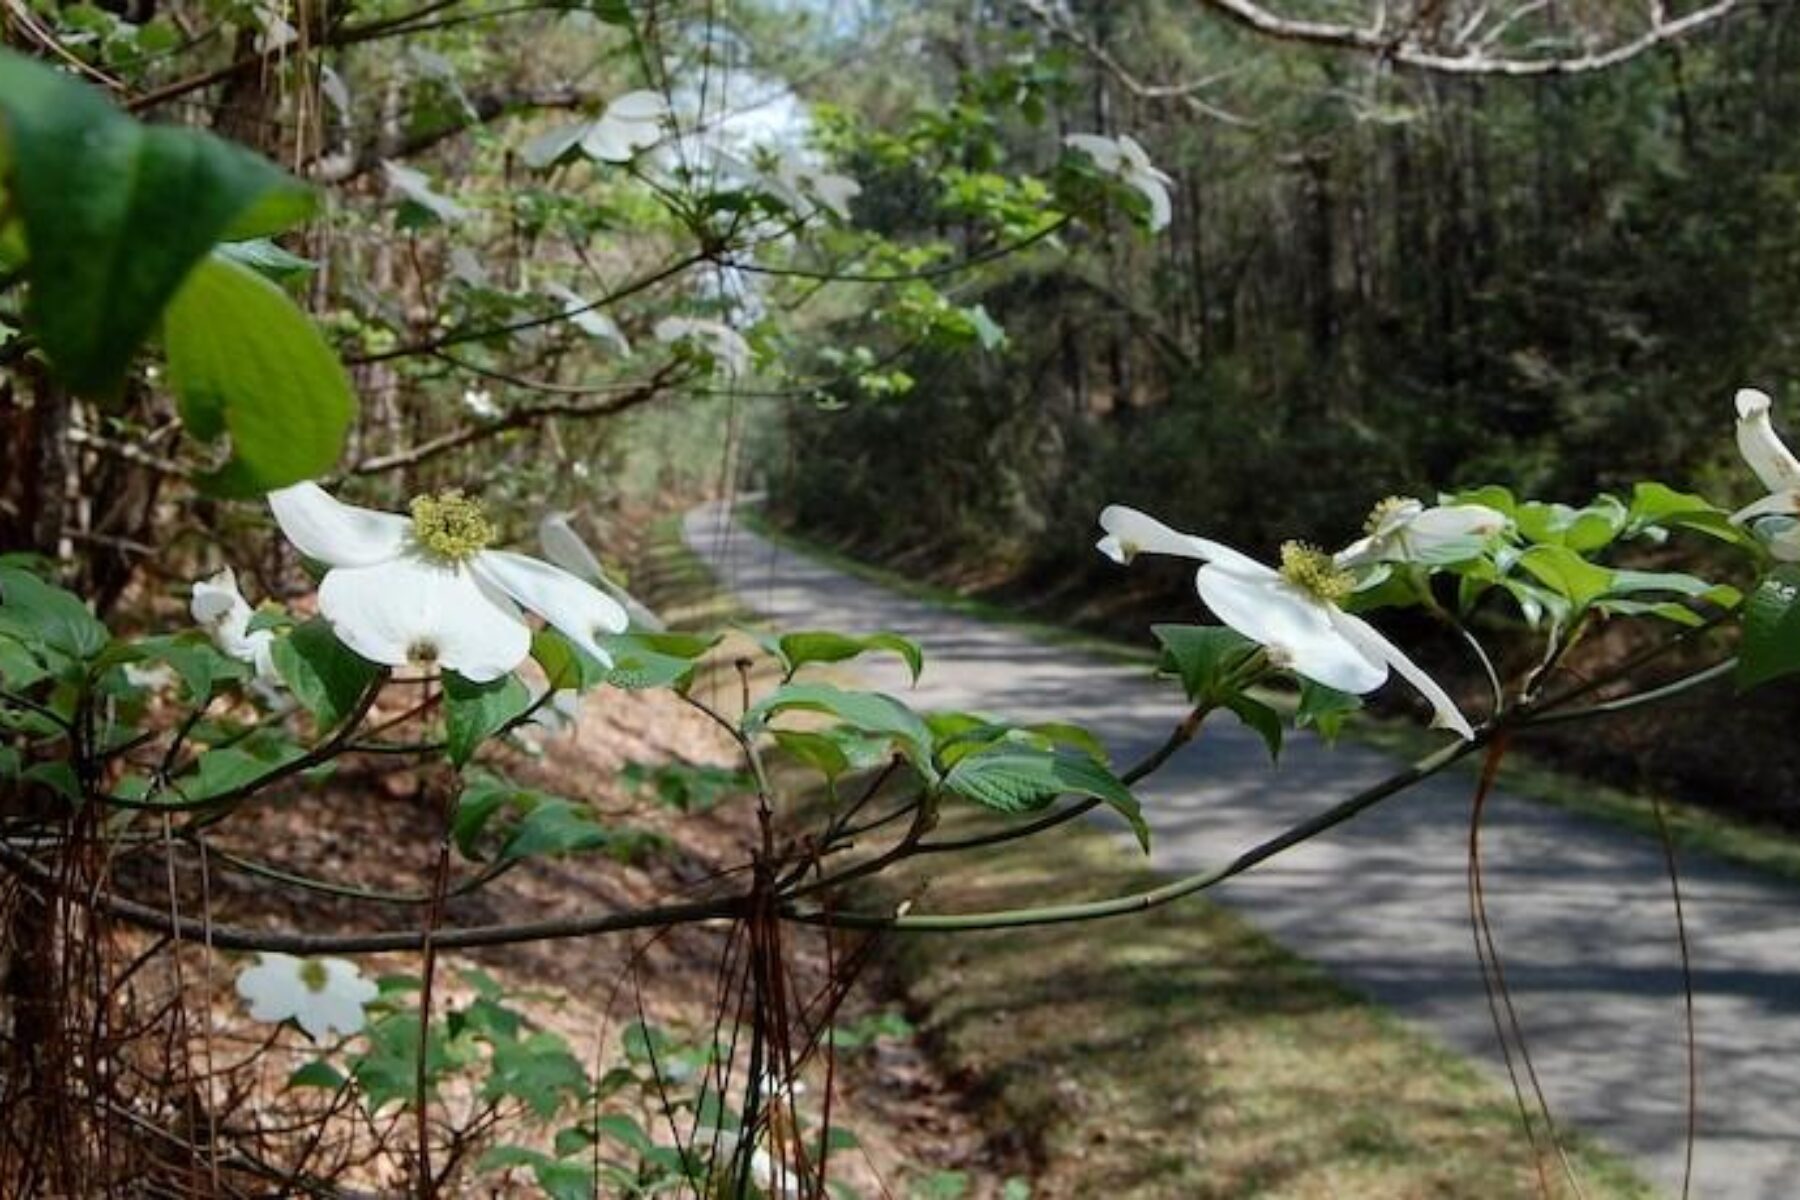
pixel 1295 612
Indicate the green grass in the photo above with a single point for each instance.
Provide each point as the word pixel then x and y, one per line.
pixel 1691 827
pixel 1181 1053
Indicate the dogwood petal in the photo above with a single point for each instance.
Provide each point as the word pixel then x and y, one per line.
pixel 335 533
pixel 1295 627
pixel 1761 447
pixel 270 986
pixel 641 105
pixel 579 611
pixel 835 192
pixel 1784 504
pixel 609 141
pixel 1153 190
pixel 564 547
pixel 216 602
pixel 1366 638
pixel 1105 152
pixel 1784 544
pixel 1130 533
pixel 412 610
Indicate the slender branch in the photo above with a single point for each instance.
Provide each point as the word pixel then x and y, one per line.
pixel 462 337
pixel 287 941
pixel 1474 59
pixel 518 418
pixel 1177 889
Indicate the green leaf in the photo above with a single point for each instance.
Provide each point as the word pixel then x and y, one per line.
pixel 116 213
pixel 220 771
pixel 555 826
pixel 1324 709
pixel 327 677
pixel 1204 658
pixel 1260 717
pixel 823 646
pixel 199 663
pixel 316 1074
pixel 1567 574
pixel 475 712
pixel 1580 529
pixel 268 259
pixel 640 665
pixel 537 1070
pixel 244 360
pixel 1770 647
pixel 1015 779
pixel 817 750
pixel 870 712
pixel 34 611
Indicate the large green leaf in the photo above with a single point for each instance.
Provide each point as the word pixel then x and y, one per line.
pixel 1567 574
pixel 116 213
pixel 1016 779
pixel 244 360
pixel 824 646
pixel 475 712
pixel 870 712
pixel 1771 645
pixel 1205 658
pixel 326 676
pixel 37 612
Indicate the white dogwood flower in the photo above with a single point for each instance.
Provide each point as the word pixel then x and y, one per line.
pixel 480 403
pixel 321 994
pixel 1124 159
pixel 730 352
pixel 1775 465
pixel 719 1146
pixel 1292 612
pixel 796 179
pixel 429 591
pixel 220 609
pixel 1402 529
pixel 564 547
pixel 629 124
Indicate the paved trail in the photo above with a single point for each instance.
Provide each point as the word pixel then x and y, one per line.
pixel 1581 909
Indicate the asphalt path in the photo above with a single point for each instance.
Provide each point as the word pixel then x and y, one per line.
pixel 1581 909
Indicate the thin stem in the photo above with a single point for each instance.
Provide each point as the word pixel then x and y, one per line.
pixel 1625 703
pixel 1176 889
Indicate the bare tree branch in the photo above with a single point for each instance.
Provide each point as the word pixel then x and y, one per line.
pixel 1467 55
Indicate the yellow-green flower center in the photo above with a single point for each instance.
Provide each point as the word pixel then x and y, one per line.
pixel 314 975
pixel 1379 515
pixel 450 526
pixel 1311 569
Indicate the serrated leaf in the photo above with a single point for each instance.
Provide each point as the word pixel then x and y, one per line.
pixel 1204 658
pixel 871 712
pixel 327 677
pixel 244 360
pixel 1014 779
pixel 1324 709
pixel 1265 721
pixel 116 213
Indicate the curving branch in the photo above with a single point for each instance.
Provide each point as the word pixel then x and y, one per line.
pixel 1469 50
pixel 519 418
